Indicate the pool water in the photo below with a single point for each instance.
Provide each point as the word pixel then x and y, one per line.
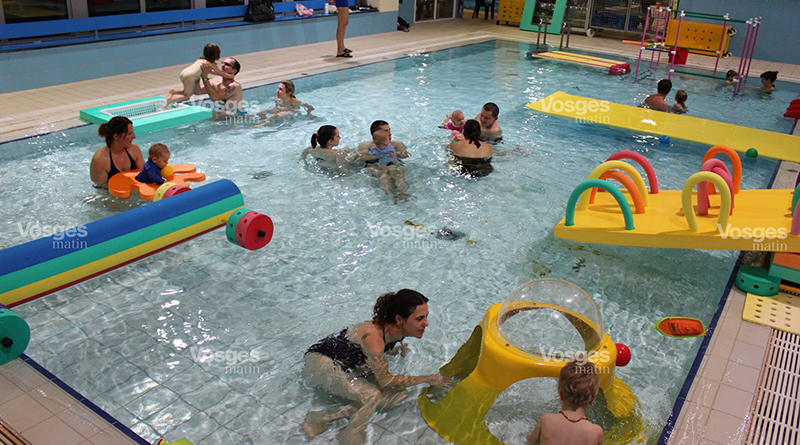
pixel 159 343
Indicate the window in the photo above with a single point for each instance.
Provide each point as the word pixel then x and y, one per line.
pixel 167 5
pixel 17 11
pixel 112 7
pixel 213 3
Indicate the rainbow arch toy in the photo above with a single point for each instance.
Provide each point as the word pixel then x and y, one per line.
pixel 40 267
pixel 685 219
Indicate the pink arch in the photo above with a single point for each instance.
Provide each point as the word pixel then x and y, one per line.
pixel 648 169
pixel 735 161
pixel 718 167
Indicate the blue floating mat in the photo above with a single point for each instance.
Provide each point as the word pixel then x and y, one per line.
pixel 148 114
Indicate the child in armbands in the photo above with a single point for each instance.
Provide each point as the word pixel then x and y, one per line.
pixel 454 121
pixel 151 172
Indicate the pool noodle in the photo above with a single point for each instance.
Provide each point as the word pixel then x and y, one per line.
pixel 43 266
pixel 15 331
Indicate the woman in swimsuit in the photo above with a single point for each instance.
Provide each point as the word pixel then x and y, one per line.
pixel 322 148
pixel 470 156
pixel 351 364
pixel 119 154
pixel 286 104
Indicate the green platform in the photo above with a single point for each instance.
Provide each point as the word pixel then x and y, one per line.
pixel 146 114
pixel 557 19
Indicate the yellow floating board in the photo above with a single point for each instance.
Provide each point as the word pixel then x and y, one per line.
pixel 781 312
pixel 756 214
pixel 577 58
pixel 768 143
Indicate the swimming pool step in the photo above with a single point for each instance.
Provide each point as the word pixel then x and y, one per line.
pixel 776 408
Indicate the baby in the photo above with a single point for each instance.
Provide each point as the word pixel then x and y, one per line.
pixel 389 171
pixel 730 77
pixel 680 106
pixel 454 121
pixel 151 172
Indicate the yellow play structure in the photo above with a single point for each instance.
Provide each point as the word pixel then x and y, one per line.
pixel 732 219
pixel 514 342
pixel 585 109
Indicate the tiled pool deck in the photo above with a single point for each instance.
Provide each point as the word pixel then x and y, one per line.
pixel 717 406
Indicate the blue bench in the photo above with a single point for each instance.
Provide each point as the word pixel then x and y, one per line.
pixel 60 32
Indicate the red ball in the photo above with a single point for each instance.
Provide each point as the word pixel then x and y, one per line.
pixel 623 354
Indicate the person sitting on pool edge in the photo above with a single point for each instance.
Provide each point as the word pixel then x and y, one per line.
pixel 351 364
pixel 119 154
pixel 151 172
pixel 381 132
pixel 226 93
pixel 658 101
pixel 490 130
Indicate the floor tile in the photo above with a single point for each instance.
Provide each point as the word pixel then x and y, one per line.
pixel 52 431
pixel 732 401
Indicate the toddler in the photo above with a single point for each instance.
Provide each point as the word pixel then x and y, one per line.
pixel 151 172
pixel 730 77
pixel 454 121
pixel 680 99
pixel 390 172
pixel 190 76
pixel 578 384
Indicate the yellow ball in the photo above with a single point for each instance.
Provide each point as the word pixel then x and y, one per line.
pixel 167 172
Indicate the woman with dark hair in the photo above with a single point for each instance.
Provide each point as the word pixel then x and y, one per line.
pixel 768 79
pixel 471 157
pixel 351 364
pixel 119 154
pixel 322 148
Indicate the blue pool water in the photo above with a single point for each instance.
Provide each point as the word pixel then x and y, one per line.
pixel 140 341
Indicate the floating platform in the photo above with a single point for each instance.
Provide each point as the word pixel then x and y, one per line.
pixel 761 221
pixel 614 67
pixel 770 144
pixel 148 114
pixel 121 184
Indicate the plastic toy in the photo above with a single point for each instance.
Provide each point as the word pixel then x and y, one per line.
pixel 121 184
pixel 680 327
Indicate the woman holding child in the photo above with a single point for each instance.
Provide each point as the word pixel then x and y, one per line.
pixel 323 149
pixel 471 157
pixel 119 154
pixel 351 364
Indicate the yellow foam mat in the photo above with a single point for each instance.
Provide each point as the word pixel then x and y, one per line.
pixel 664 225
pixel 578 58
pixel 768 143
pixel 781 312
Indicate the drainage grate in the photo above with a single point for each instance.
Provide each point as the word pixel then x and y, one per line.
pixel 776 408
pixel 10 437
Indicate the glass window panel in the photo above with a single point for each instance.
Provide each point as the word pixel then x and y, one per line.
pixel 112 7
pixel 17 11
pixel 213 3
pixel 167 5
pixel 444 9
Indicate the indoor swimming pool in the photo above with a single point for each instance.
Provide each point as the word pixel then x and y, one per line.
pixel 153 343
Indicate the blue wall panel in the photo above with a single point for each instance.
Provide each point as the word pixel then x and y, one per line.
pixel 38 68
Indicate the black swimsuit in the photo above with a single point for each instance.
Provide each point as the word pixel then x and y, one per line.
pixel 475 167
pixel 113 170
pixel 347 355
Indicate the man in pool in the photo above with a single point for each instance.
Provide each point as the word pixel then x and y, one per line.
pixel 386 174
pixel 226 93
pixel 490 130
pixel 658 101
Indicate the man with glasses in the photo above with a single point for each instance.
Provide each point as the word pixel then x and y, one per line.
pixel 226 93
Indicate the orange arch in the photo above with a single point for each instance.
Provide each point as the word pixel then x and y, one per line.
pixel 638 202
pixel 737 166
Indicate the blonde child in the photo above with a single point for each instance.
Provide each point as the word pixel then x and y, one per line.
pixel 190 76
pixel 578 384
pixel 454 121
pixel 151 172
pixel 680 105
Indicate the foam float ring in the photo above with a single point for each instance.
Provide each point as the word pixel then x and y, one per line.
pixel 175 190
pixel 233 221
pixel 757 281
pixel 254 230
pixel 161 190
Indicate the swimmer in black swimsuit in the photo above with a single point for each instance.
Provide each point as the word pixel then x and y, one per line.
pixel 106 162
pixel 471 157
pixel 351 364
